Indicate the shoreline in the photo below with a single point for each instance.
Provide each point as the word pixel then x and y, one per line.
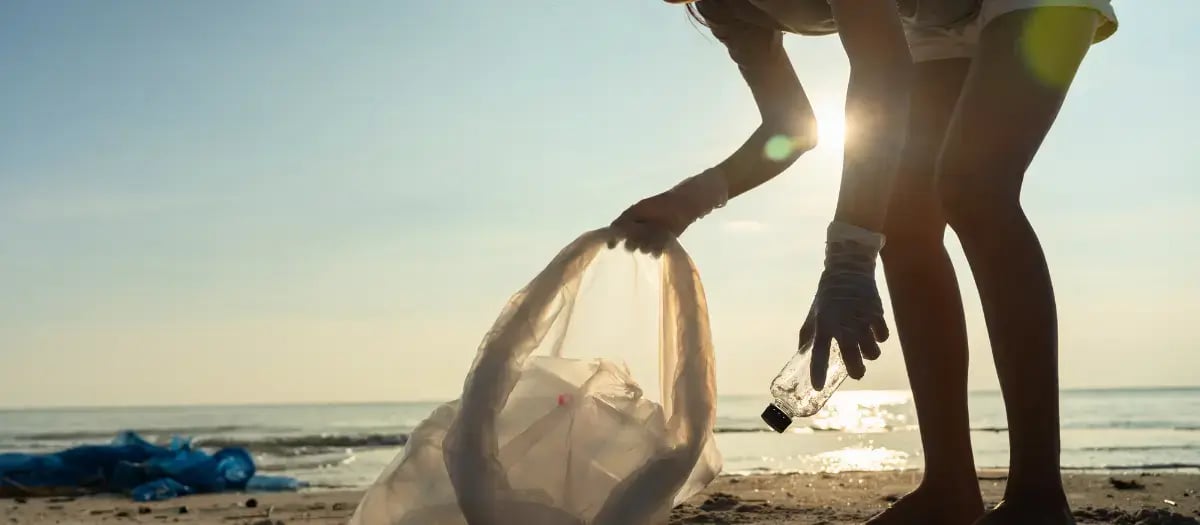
pixel 765 499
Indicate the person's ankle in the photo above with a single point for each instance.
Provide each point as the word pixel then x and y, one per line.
pixel 958 481
pixel 1045 488
pixel 957 493
pixel 1040 495
pixel 935 502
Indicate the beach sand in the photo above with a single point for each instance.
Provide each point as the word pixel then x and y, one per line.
pixel 761 499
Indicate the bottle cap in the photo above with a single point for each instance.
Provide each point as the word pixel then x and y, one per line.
pixel 776 418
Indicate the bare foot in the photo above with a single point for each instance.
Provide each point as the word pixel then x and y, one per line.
pixel 926 506
pixel 1015 512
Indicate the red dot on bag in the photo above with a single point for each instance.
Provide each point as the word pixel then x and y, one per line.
pixel 563 399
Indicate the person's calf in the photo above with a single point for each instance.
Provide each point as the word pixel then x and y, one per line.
pixel 929 321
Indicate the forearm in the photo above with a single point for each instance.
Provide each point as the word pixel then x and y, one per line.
pixel 770 150
pixel 877 102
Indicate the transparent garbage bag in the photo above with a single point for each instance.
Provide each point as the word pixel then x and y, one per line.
pixel 567 436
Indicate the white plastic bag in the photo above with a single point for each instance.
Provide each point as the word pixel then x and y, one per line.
pixel 565 437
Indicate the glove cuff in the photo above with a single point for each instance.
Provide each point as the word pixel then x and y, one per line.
pixel 851 249
pixel 840 232
pixel 701 194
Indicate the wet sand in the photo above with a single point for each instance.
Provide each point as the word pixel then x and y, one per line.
pixel 830 499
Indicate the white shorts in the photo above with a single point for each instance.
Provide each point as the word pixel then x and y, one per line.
pixel 959 41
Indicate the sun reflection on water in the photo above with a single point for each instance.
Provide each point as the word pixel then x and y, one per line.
pixel 863 411
pixel 862 459
pixel 858 430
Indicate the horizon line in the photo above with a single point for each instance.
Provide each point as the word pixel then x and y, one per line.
pixel 282 404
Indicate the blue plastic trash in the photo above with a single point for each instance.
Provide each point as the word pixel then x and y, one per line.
pixel 159 489
pixel 274 484
pixel 130 464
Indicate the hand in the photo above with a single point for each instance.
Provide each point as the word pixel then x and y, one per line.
pixel 847 307
pixel 648 225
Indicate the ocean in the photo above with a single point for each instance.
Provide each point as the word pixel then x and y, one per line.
pixel 346 446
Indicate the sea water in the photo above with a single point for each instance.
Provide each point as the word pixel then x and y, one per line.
pixel 348 445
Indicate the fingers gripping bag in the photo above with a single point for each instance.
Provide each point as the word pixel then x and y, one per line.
pixel 551 427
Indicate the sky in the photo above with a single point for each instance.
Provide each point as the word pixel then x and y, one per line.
pixel 265 202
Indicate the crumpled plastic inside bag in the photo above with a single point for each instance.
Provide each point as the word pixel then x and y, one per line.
pixel 552 427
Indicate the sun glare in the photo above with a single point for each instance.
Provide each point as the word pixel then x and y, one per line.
pixel 831 135
pixel 831 126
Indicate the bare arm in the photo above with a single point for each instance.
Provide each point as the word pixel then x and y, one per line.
pixel 788 126
pixel 877 100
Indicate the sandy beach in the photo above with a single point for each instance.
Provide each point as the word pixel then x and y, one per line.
pixel 830 499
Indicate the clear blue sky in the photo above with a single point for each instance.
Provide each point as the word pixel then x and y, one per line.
pixel 226 201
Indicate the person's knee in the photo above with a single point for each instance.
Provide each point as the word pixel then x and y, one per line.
pixel 973 204
pixel 914 231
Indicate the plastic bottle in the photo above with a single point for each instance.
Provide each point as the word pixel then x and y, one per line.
pixel 793 390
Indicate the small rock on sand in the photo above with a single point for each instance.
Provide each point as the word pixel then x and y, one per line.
pixel 1157 517
pixel 1141 517
pixel 1119 484
pixel 719 501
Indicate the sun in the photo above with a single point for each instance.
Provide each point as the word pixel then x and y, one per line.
pixel 831 126
pixel 831 135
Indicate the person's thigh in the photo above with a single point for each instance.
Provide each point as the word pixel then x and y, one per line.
pixel 914 212
pixel 1106 22
pixel 1023 66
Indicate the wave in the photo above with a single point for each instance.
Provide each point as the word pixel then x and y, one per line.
pixel 210 437
pixel 757 430
pixel 1131 425
pixel 817 428
pixel 306 465
pixel 1139 448
pixel 989 429
pixel 1114 425
pixel 740 430
pixel 807 429
pixel 80 435
pixel 1137 467
pixel 305 445
pixel 370 439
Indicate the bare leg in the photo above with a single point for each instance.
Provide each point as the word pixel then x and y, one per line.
pixel 1012 95
pixel 929 311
